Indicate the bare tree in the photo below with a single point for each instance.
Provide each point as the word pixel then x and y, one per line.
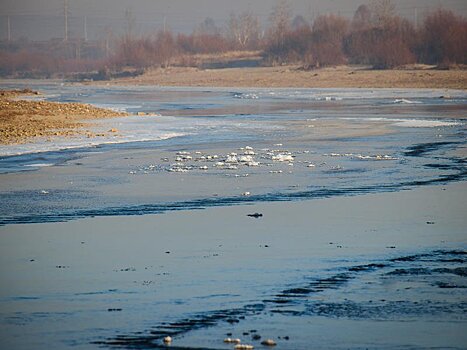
pixel 208 27
pixel 386 44
pixel 206 38
pixel 129 24
pixel 108 36
pixel 244 29
pixel 280 21
pixel 327 38
pixel 361 18
pixel 382 11
pixel 299 22
pixel 444 38
pixel 165 47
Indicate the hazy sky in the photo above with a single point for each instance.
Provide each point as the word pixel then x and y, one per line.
pixel 43 18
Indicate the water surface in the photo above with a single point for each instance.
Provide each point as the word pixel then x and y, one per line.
pixel 361 242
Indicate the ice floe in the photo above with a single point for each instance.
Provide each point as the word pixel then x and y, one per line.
pixel 406 101
pixel 246 96
pixel 423 123
pixel 273 161
pixel 167 340
pixel 283 158
pixel 243 347
pixel 232 340
pixel 245 159
pixel 231 159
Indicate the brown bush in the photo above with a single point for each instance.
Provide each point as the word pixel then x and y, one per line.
pixel 324 54
pixel 376 36
pixel 79 65
pixel 144 52
pixel 210 43
pixel 386 45
pixel 444 38
pixel 165 48
pixel 27 64
pixel 279 39
pixel 202 43
pixel 186 43
pixel 321 45
pixel 291 48
pixel 326 47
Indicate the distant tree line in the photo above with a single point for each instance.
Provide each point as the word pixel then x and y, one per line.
pixel 375 36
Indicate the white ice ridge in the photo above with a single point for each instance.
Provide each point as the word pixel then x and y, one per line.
pixel 423 123
pixel 404 100
pixel 283 158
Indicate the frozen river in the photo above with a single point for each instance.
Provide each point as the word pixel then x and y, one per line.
pixel 318 218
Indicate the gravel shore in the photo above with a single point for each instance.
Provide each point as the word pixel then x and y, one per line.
pixel 21 120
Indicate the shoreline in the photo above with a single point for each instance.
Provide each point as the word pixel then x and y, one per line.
pixel 24 119
pixel 294 77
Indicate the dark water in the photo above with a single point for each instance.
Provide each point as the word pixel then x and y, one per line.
pixel 430 273
pixel 387 270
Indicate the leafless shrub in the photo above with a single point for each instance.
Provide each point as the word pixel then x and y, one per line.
pixel 388 44
pixel 444 38
pixel 326 47
pixel 208 39
pixel 27 64
pixel 381 11
pixel 278 37
pixel 362 18
pixel 165 48
pixel 376 36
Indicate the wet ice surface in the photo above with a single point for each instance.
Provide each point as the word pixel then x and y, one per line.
pixel 227 114
pixel 333 273
pixel 128 183
pixel 301 144
pixel 318 273
pixel 407 289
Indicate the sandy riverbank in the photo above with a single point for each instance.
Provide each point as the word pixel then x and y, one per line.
pixel 292 76
pixel 21 120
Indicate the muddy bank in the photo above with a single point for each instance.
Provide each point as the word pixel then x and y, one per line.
pixel 22 120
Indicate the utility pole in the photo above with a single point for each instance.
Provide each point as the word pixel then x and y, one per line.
pixel 85 28
pixel 65 12
pixel 9 28
pixel 108 36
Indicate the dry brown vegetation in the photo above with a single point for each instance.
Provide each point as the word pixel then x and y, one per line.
pixel 375 36
pixel 21 120
pixel 295 76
